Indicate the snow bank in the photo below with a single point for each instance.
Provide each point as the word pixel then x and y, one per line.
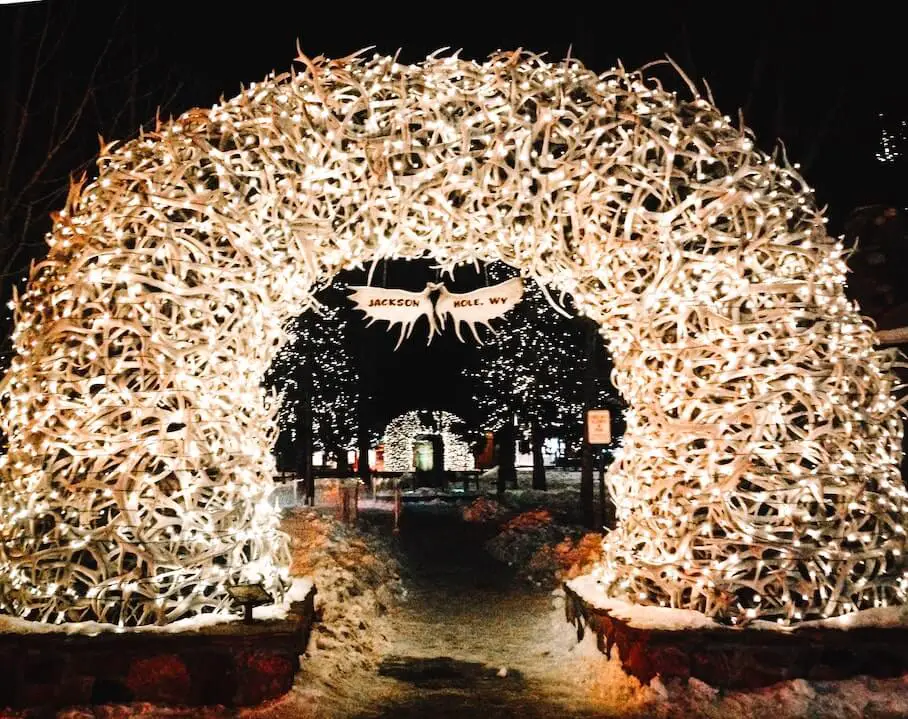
pixel 541 550
pixel 639 616
pixel 647 617
pixel 601 685
pixel 298 591
pixel 358 581
pixel 882 617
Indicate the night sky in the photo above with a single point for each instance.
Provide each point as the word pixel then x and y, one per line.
pixel 815 76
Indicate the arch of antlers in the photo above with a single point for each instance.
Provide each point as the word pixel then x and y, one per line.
pixel 759 476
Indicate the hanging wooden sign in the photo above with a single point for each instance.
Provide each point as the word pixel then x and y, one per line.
pixel 396 307
pixel 401 307
pixel 477 307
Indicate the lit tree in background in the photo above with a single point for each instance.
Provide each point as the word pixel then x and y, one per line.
pixel 876 236
pixel 893 141
pixel 318 375
pixel 532 369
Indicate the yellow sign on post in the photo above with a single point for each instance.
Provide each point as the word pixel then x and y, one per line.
pixel 599 426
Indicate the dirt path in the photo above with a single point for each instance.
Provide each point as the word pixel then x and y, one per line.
pixel 471 640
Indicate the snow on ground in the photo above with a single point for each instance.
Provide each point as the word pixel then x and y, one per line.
pixel 544 548
pixel 561 498
pixel 618 695
pixel 533 638
pixel 645 617
pixel 600 682
pixel 358 581
pixel 512 626
pixel 556 478
pixel 637 615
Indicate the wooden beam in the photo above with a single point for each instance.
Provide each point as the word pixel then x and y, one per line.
pixel 895 336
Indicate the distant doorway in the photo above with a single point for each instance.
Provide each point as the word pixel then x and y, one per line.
pixel 429 460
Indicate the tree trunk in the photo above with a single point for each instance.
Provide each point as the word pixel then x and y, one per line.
pixel 362 447
pixel 305 447
pixel 512 471
pixel 340 454
pixel 507 472
pixel 364 408
pixel 586 454
pixel 537 439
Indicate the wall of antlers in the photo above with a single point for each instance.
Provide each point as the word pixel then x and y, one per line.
pixel 759 475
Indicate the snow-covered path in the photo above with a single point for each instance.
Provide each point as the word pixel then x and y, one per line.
pixel 470 640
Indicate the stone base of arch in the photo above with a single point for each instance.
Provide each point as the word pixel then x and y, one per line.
pixel 741 658
pixel 229 664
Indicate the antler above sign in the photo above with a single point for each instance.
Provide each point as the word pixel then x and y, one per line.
pixel 405 308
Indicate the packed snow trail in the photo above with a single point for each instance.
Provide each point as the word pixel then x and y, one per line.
pixel 471 639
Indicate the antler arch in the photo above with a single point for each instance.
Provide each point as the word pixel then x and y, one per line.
pixel 760 469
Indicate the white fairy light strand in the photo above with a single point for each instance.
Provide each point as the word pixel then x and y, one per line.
pixel 760 469
pixel 402 431
pixel 892 141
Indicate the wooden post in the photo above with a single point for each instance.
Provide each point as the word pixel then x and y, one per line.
pixel 397 507
pixel 586 454
pixel 347 500
pixel 339 509
pixel 603 509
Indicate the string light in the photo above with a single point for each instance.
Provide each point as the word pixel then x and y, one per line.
pixel 134 409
